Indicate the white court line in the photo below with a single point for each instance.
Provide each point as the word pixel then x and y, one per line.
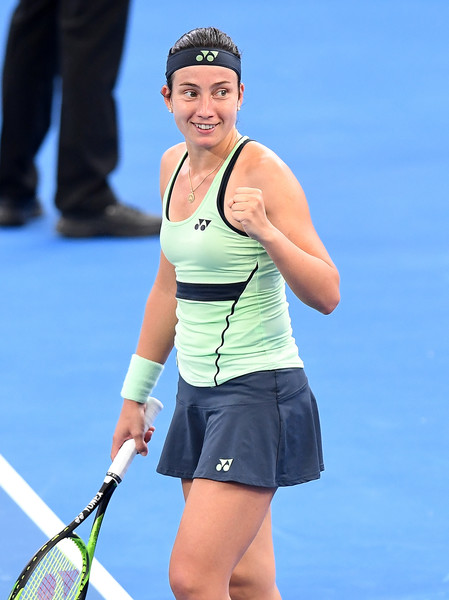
pixel 25 497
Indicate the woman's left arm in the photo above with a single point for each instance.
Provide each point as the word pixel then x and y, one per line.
pixel 276 214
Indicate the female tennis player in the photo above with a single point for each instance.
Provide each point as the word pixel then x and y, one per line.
pixel 236 227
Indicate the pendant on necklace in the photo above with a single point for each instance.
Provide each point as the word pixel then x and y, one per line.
pixel 191 197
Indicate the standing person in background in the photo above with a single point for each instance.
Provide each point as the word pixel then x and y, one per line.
pixel 82 42
pixel 236 226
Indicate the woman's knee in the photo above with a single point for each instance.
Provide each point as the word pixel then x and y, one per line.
pixel 247 584
pixel 187 583
pixel 182 578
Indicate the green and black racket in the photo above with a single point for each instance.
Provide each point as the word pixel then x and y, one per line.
pixel 60 569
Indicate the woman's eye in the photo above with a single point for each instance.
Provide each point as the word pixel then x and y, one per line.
pixel 221 93
pixel 190 94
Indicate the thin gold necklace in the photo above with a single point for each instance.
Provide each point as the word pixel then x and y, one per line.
pixel 191 196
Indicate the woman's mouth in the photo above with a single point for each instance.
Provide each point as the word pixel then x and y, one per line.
pixel 204 126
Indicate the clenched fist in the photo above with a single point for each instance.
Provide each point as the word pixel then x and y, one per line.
pixel 248 208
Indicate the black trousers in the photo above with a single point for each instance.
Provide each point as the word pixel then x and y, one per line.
pixel 80 44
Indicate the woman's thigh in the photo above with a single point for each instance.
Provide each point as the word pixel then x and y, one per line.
pixel 255 574
pixel 219 523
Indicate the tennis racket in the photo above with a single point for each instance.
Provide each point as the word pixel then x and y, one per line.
pixel 60 569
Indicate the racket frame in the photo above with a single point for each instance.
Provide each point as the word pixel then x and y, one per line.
pixel 99 503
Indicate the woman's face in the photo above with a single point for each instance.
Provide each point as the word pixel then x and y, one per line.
pixel 204 101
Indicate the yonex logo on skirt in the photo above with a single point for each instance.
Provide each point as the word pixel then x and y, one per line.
pixel 224 464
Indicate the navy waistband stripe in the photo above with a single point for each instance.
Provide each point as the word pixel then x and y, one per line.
pixel 206 292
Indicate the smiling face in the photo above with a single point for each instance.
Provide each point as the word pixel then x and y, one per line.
pixel 204 101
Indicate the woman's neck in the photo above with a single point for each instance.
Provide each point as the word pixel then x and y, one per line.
pixel 201 159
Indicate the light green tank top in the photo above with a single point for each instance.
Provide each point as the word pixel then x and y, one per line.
pixel 231 306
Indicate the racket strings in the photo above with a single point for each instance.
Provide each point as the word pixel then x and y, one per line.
pixel 58 575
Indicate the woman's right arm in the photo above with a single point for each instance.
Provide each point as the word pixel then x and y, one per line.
pixel 158 328
pixel 157 333
pixel 155 343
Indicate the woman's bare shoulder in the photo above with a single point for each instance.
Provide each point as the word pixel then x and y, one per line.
pixel 259 165
pixel 169 160
pixel 173 154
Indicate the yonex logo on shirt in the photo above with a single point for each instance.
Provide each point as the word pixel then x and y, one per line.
pixel 209 55
pixel 202 224
pixel 224 464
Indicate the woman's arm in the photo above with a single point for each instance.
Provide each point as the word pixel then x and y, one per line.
pixel 276 214
pixel 158 327
pixel 155 343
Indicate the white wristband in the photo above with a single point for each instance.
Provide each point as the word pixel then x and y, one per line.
pixel 141 378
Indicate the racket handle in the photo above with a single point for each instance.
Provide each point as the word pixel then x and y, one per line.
pixel 127 451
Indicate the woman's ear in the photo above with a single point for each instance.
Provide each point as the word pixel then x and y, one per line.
pixel 165 91
pixel 241 90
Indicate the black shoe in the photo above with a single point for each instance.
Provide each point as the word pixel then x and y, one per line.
pixel 14 213
pixel 117 220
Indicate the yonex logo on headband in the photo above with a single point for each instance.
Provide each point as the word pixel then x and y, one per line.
pixel 191 57
pixel 209 55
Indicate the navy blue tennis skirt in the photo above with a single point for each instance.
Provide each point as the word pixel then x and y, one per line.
pixel 260 429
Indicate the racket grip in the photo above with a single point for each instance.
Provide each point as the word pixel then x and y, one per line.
pixel 127 451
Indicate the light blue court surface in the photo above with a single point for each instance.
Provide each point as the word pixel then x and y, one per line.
pixel 354 96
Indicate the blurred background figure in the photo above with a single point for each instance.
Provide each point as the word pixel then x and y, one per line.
pixel 81 41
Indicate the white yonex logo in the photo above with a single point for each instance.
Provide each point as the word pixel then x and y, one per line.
pixel 224 464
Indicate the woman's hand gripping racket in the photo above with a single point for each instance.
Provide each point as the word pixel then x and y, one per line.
pixel 60 569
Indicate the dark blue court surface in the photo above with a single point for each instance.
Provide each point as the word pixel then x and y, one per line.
pixel 354 96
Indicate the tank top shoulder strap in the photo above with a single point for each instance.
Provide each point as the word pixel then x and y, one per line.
pixel 225 180
pixel 232 161
pixel 171 183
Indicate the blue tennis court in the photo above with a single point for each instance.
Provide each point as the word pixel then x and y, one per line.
pixel 354 96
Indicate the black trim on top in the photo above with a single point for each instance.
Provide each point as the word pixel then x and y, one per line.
pixel 170 191
pixel 223 185
pixel 234 304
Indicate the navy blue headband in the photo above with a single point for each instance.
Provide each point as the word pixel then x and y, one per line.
pixel 202 56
